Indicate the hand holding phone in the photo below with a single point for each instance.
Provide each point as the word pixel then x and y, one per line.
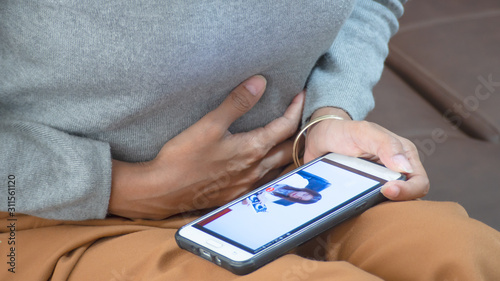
pixel 260 226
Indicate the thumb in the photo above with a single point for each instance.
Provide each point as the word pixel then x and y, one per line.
pixel 239 102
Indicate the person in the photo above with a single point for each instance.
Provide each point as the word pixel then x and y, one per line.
pixel 297 195
pixel 287 195
pixel 120 121
pixel 307 195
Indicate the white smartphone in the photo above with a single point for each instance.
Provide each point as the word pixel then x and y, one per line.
pixel 264 224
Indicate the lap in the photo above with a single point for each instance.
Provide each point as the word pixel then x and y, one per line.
pixel 394 240
pixel 413 240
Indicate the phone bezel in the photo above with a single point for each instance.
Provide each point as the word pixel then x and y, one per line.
pixel 240 261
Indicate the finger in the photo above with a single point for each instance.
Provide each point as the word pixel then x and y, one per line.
pixel 359 139
pixel 281 159
pixel 239 102
pixel 391 149
pixel 417 184
pixel 369 140
pixel 285 126
pixel 401 155
pixel 260 173
pixel 278 157
pixel 258 142
pixel 416 187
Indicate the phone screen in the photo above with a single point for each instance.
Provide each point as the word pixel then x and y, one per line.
pixel 268 215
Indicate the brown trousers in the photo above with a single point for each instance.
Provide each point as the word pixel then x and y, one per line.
pixel 415 240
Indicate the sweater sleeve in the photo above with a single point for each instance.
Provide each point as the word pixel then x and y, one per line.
pixel 52 174
pixel 345 75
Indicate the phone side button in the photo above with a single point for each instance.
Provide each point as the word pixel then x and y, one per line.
pixel 361 206
pixel 214 243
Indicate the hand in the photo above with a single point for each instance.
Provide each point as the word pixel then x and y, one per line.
pixel 206 165
pixel 373 142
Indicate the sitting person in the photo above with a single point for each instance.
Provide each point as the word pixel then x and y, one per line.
pixel 120 121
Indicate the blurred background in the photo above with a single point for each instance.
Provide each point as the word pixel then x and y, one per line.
pixel 441 89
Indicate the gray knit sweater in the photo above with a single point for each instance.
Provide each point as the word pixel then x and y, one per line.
pixel 82 82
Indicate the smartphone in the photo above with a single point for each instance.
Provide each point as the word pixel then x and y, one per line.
pixel 266 223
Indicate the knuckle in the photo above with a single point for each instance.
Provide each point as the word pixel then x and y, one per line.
pixel 235 167
pixel 252 177
pixel 257 174
pixel 240 101
pixel 247 180
pixel 394 143
pixel 411 147
pixel 289 126
pixel 427 185
pixel 257 147
pixel 255 153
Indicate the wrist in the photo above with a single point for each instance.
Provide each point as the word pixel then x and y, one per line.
pixel 331 111
pixel 319 132
pixel 129 182
pixel 321 115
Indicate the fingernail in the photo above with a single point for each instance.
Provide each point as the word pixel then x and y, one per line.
pixel 255 84
pixel 390 191
pixel 403 164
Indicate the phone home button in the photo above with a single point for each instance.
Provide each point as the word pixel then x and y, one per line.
pixel 214 243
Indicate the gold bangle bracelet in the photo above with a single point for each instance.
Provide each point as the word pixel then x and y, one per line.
pixel 295 151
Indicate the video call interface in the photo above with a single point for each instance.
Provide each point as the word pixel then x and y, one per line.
pixel 282 208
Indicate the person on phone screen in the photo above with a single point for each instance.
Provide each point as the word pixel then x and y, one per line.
pixel 288 195
pixel 291 195
pixel 307 195
pixel 120 120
